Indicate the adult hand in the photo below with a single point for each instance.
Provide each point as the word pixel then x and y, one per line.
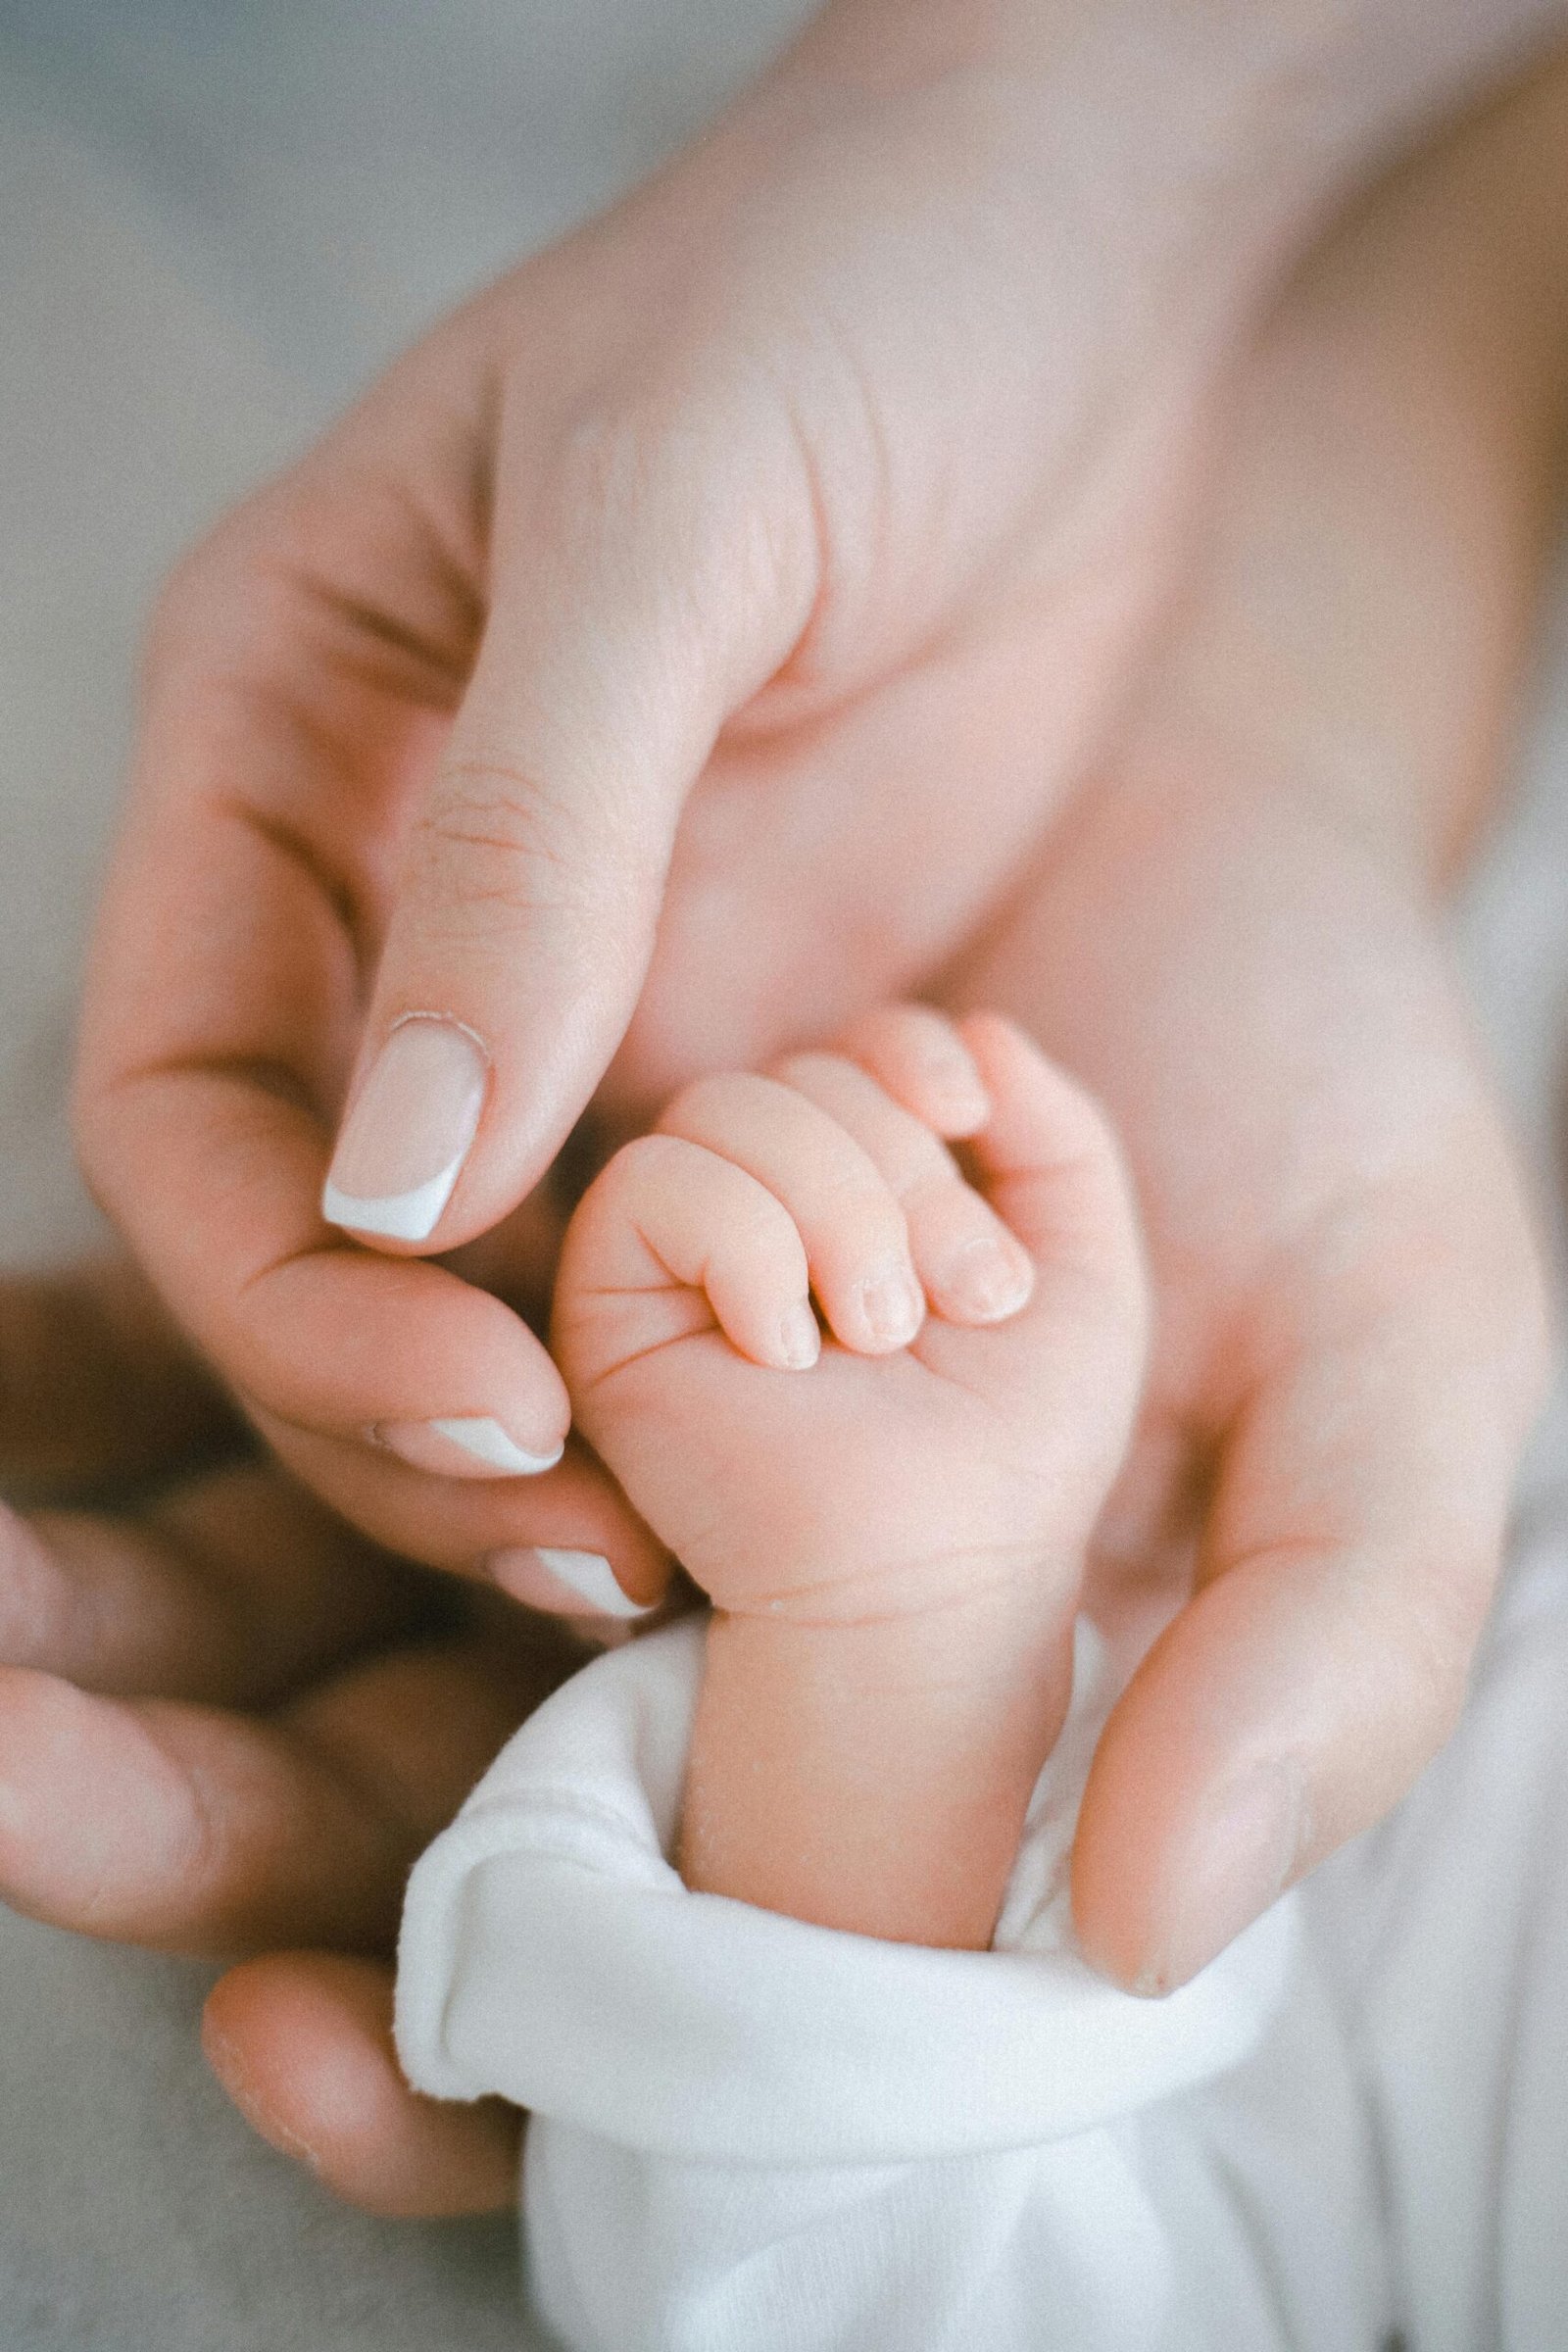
pixel 1233 724
pixel 1351 1343
pixel 1238 943
pixel 824 491
pixel 227 1725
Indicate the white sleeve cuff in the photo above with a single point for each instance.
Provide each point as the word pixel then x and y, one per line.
pixel 550 1953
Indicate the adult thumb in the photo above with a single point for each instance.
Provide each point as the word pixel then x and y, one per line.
pixel 1352 1541
pixel 651 571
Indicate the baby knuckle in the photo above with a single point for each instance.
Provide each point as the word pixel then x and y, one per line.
pixel 868 1214
pixel 803 1071
pixel 762 1228
pixel 704 1105
pixel 647 1160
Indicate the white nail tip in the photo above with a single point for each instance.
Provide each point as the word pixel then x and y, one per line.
pixel 411 1216
pixel 489 1443
pixel 588 1574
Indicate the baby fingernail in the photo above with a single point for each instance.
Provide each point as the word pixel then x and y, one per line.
pixel 990 1279
pixel 800 1341
pixel 404 1143
pixel 569 1584
pixel 1248 1853
pixel 893 1306
pixel 472 1445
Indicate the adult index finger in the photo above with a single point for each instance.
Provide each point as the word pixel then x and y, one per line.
pixel 222 1010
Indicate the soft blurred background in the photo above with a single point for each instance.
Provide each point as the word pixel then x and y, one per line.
pixel 219 221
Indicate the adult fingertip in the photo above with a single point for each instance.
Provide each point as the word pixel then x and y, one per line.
pixel 302 2043
pixel 465 1445
pixel 230 2048
pixel 1246 1848
pixel 565 1583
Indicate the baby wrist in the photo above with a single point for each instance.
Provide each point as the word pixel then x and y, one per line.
pixel 873 1775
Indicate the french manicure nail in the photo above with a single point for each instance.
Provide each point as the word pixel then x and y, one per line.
pixel 799 1340
pixel 472 1445
pixel 1247 1853
pixel 405 1140
pixel 569 1583
pixel 990 1279
pixel 893 1306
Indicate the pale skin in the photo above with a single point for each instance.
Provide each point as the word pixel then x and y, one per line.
pixel 892 1523
pixel 686 647
pixel 1344 1243
pixel 695 574
pixel 1305 703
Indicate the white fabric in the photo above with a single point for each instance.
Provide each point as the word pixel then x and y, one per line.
pixel 1446 1934
pixel 751 2132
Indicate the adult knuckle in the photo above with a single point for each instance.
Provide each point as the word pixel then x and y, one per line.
pixel 200 587
pixel 494 837
pixel 181 599
pixel 222 596
pixel 605 462
pixel 692 478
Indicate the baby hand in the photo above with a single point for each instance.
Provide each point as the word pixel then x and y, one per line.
pixel 891 1521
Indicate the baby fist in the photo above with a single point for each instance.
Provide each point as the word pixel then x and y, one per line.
pixel 962 1405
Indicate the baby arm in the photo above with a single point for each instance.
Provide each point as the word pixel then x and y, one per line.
pixel 891 1519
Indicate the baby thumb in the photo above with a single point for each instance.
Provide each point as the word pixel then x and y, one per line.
pixel 648 580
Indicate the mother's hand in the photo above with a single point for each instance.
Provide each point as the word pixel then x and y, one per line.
pixel 1349 1346
pixel 227 1725
pixel 822 491
pixel 1230 939
pixel 1238 940
pixel 799 523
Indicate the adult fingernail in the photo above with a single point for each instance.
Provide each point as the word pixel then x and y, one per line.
pixel 800 1341
pixel 893 1306
pixel 989 1280
pixel 569 1584
pixel 1245 1855
pixel 405 1140
pixel 472 1445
